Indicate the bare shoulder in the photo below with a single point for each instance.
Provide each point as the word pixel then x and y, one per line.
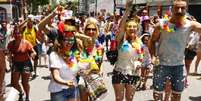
pixel 196 26
pixel 195 23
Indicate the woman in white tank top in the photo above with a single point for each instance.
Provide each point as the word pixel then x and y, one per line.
pixel 130 56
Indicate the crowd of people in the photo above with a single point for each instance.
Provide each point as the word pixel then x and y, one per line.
pixel 136 44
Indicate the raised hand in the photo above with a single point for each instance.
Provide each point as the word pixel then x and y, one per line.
pixel 129 3
pixel 70 83
pixel 58 9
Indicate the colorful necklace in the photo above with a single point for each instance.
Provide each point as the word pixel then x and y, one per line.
pixel 137 46
pixel 71 59
pixel 93 57
pixel 168 27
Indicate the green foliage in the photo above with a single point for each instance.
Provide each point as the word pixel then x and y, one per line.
pixel 33 5
pixel 38 2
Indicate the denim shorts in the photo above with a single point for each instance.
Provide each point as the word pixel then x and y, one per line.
pixel 176 74
pixel 65 94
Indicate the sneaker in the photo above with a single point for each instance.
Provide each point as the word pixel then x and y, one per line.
pixel 21 97
pixel 27 99
pixel 186 83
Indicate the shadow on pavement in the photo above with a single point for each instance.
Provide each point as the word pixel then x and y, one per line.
pixel 194 74
pixel 46 77
pixel 198 98
pixel 9 85
pixel 33 77
pixel 199 78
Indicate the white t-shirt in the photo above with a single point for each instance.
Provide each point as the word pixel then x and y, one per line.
pixel 64 71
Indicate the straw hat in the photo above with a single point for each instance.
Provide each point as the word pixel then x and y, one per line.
pixel 69 28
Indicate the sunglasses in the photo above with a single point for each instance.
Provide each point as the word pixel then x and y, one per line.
pixel 69 41
pixel 89 29
pixel 68 33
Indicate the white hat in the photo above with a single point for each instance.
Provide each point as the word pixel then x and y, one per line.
pixel 143 35
pixel 31 17
pixel 67 15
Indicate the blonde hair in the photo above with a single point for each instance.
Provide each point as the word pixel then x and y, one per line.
pixel 133 20
pixel 91 21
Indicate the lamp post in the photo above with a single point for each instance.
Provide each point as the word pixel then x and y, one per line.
pixel 96 6
pixel 78 7
pixel 114 6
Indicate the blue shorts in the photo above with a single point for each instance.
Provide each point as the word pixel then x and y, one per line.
pixel 65 94
pixel 176 74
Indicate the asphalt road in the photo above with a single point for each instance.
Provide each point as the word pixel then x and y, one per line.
pixel 39 86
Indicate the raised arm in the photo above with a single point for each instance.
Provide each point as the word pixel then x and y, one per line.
pixel 47 20
pixel 122 25
pixel 154 38
pixel 22 25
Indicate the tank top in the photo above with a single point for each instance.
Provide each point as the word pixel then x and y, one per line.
pixel 172 44
pixel 129 57
pixel 30 35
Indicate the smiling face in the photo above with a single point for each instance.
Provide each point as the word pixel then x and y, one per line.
pixel 68 41
pixel 131 29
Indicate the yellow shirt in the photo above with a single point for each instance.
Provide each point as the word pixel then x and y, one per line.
pixel 30 35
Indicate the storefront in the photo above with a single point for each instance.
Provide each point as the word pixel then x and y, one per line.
pixel 9 10
pixel 120 5
pixel 3 14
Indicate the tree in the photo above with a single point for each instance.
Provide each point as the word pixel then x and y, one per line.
pixel 33 5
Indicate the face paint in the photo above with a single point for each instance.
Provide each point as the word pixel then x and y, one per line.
pixel 69 41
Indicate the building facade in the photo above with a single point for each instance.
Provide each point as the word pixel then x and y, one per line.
pixel 10 10
pixel 194 6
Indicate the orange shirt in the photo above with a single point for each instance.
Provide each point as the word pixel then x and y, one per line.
pixel 20 51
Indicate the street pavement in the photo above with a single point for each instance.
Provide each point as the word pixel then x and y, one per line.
pixel 39 86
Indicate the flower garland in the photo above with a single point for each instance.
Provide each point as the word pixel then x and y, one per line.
pixel 137 46
pixel 73 56
pixel 94 58
pixel 171 27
